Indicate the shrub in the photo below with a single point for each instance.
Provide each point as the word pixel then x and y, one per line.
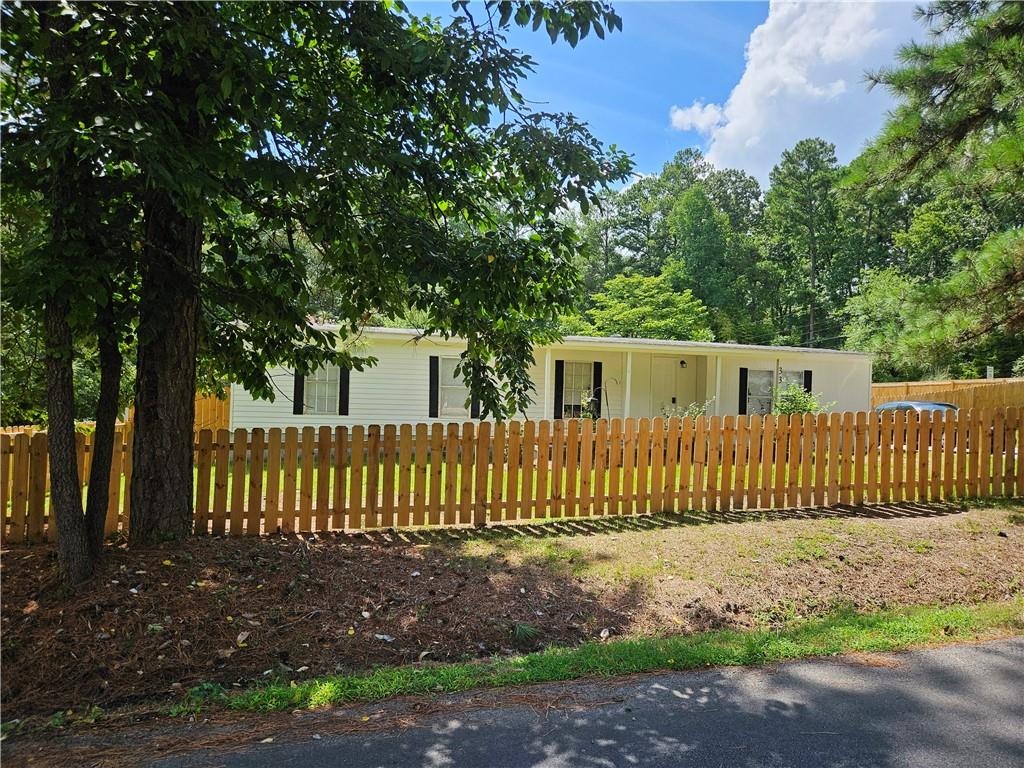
pixel 795 399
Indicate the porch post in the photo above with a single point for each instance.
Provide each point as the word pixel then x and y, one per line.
pixel 548 405
pixel 629 385
pixel 718 385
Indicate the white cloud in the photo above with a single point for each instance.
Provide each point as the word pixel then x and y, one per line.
pixel 804 77
pixel 699 117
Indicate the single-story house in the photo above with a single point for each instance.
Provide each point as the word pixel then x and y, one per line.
pixel 414 381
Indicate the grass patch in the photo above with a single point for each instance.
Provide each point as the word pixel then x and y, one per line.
pixel 841 632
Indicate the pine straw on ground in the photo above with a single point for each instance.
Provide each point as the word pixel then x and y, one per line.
pixel 156 622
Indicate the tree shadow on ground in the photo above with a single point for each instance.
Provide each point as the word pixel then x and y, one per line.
pixel 656 521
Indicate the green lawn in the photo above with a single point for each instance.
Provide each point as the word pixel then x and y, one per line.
pixel 842 632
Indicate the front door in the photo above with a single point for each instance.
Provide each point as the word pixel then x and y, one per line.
pixel 665 386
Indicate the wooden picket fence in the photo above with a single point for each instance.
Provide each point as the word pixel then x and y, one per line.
pixel 963 393
pixel 359 478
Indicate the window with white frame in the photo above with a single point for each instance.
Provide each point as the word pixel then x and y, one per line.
pixel 452 390
pixel 578 378
pixel 320 391
pixel 759 391
pixel 788 378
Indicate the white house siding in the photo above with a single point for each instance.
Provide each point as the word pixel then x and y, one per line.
pixel 396 390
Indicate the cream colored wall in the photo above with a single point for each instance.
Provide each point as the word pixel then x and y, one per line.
pixel 396 390
pixel 840 379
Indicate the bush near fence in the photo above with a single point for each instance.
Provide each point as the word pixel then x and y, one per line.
pixel 963 393
pixel 357 478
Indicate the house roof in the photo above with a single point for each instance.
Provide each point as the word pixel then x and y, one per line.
pixel 627 344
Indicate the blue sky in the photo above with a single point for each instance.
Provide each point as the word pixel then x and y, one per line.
pixel 740 80
pixel 624 85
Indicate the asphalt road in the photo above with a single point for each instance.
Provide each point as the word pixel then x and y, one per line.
pixel 955 706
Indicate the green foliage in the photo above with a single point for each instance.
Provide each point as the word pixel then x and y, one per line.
pixel 1017 370
pixel 842 632
pixel 648 307
pixel 795 399
pixel 344 161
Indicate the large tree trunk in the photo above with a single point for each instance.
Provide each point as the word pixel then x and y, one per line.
pixel 165 383
pixel 111 365
pixel 73 556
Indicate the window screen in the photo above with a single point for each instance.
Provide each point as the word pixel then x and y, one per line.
pixel 453 391
pixel 320 392
pixel 579 378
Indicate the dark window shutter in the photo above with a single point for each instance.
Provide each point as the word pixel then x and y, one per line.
pixel 807 381
pixel 597 390
pixel 435 380
pixel 474 408
pixel 343 385
pixel 298 394
pixel 559 385
pixel 743 391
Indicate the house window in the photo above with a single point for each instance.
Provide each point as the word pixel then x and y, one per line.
pixel 578 378
pixel 759 391
pixel 452 390
pixel 788 378
pixel 320 391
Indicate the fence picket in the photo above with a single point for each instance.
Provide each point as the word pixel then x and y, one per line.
pixel 404 506
pixel 657 465
pixel 483 449
pixel 586 454
pixel 860 436
pixel 629 467
pixel 700 453
pixel 372 473
pixel 451 480
pixel 782 428
pixel 572 457
pixel 19 486
pixel 307 461
pixel 255 510
pixel 728 449
pixel 497 478
pixel 419 510
pixel 540 499
pixel 220 482
pixel 340 485
pixel 518 500
pixel 291 469
pixel 899 447
pixel 37 489
pixel 436 463
pixel 467 454
pixel 204 463
pixel 741 462
pixel 872 457
pixel 793 463
pixel 670 482
pixel 601 467
pixel 712 469
pixel 557 478
pixel 355 478
pixel 112 522
pixel 6 455
pixel 614 468
pixel 323 478
pixel 272 506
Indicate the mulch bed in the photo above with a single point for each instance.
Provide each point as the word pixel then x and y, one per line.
pixel 156 622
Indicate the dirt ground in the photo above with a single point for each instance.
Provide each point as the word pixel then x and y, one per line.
pixel 236 611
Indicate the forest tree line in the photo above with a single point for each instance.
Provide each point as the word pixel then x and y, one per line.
pixel 914 251
pixel 816 260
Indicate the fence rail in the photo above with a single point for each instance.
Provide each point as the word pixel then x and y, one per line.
pixel 320 479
